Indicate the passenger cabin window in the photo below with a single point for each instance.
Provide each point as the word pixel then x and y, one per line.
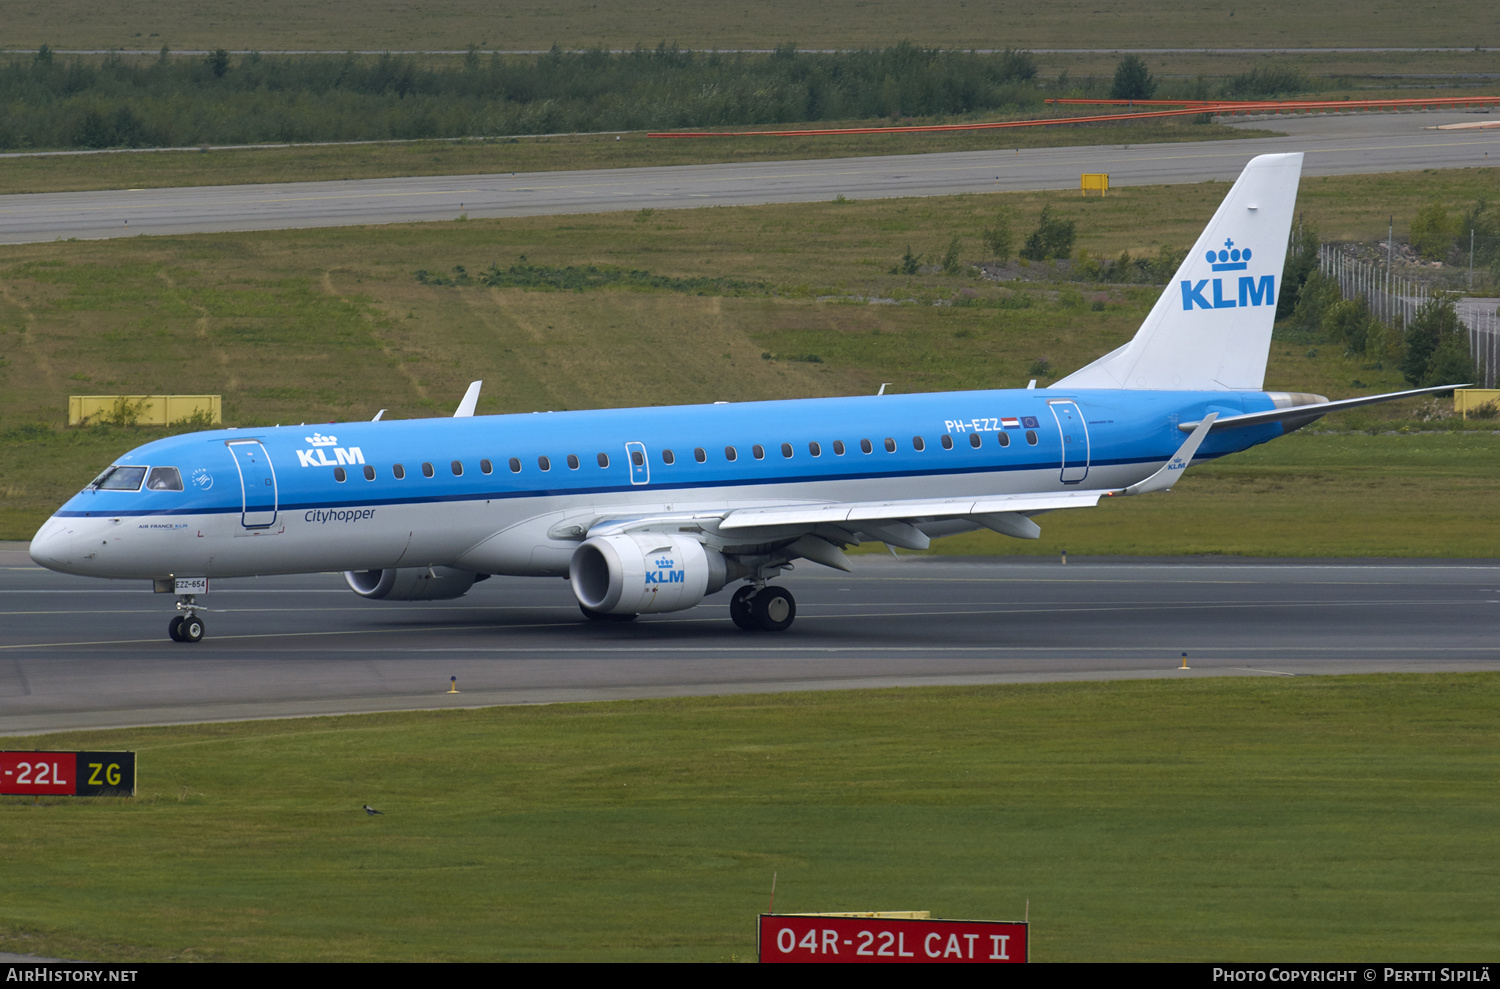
pixel 485 467
pixel 975 440
pixel 700 455
pixel 398 471
pixel 865 447
pixel 119 478
pixel 786 450
pixel 544 463
pixel 515 465
pixel 731 454
pixel 947 442
pixel 604 459
pixel 1031 436
pixel 427 470
pixel 1004 439
pixel 164 479
pixel 458 468
pixel 369 473
pixel 838 448
pixel 668 457
pixel 572 462
pixel 890 445
pixel 340 475
pixel 759 451
pixel 814 449
pixel 918 444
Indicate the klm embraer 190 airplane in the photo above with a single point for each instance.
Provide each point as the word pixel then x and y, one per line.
pixel 650 510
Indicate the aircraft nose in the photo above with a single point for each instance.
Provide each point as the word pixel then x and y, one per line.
pixel 54 545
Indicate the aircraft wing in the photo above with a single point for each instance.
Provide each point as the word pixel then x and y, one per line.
pixel 851 513
pixel 812 529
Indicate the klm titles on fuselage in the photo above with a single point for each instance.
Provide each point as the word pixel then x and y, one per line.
pixel 1250 290
pixel 317 458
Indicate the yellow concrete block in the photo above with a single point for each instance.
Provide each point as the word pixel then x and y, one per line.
pixel 142 410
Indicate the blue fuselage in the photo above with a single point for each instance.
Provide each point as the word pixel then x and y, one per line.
pixel 364 495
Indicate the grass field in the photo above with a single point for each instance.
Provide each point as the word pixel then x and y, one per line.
pixel 277 25
pixel 318 325
pixel 1218 819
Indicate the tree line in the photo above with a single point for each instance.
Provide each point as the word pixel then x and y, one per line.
pixel 50 102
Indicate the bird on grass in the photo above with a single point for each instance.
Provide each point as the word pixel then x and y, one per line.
pixel 372 811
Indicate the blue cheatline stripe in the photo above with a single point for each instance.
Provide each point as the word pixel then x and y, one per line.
pixel 613 488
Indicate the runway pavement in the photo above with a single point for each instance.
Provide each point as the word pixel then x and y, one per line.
pixel 1353 144
pixel 78 653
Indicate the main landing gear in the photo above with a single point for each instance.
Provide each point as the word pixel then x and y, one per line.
pixel 186 627
pixel 769 607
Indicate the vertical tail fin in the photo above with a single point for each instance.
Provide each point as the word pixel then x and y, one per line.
pixel 1211 328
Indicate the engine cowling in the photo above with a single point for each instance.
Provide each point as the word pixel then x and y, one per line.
pixel 411 583
pixel 644 573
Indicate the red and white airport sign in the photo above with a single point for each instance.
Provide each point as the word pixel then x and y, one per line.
pixel 824 938
pixel 70 774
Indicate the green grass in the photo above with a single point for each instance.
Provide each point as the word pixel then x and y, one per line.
pixel 1220 819
pixel 318 325
pixel 273 25
pixel 312 163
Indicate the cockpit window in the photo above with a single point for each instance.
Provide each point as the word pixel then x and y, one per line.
pixel 119 478
pixel 164 479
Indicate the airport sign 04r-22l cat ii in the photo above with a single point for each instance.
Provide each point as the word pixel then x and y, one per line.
pixel 651 510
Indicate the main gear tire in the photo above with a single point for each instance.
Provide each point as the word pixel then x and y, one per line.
pixel 774 609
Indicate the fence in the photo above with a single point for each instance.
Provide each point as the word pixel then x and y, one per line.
pixel 1395 300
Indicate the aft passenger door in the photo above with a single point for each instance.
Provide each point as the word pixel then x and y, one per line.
pixel 257 484
pixel 1075 440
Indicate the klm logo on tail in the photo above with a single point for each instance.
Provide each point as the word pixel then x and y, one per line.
pixel 1251 291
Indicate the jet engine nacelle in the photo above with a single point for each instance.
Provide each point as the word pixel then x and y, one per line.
pixel 644 573
pixel 411 583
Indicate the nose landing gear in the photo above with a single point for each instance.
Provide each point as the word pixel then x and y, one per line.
pixel 769 607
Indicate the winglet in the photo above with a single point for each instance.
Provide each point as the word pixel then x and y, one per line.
pixel 1163 479
pixel 471 399
pixel 378 415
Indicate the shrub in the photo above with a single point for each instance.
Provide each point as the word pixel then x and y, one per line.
pixel 1437 346
pixel 1132 80
pixel 1317 297
pixel 1433 232
pixel 1348 322
pixel 950 257
pixel 998 239
pixel 1052 238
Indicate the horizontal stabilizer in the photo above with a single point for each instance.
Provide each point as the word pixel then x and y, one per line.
pixel 1301 415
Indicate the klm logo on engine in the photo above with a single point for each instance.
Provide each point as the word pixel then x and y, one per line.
pixel 664 574
pixel 317 457
pixel 1246 290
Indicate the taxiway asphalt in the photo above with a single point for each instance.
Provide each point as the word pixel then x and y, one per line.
pixel 1335 145
pixel 81 653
